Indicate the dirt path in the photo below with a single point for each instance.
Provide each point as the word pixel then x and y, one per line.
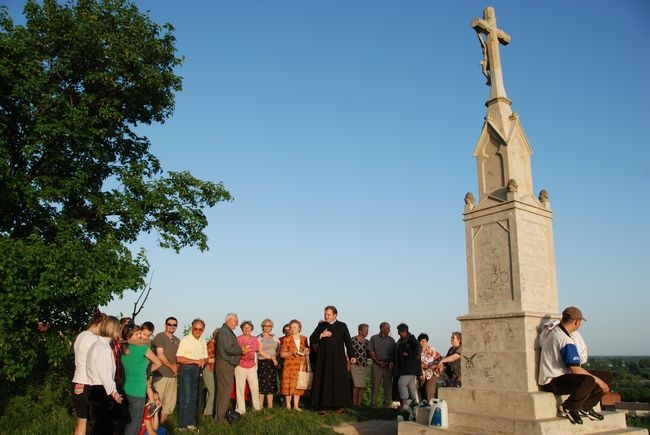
pixel 372 427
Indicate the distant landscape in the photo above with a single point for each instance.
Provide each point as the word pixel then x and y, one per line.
pixel 632 375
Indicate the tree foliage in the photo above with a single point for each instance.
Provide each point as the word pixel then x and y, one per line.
pixel 78 183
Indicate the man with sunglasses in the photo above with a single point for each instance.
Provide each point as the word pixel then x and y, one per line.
pixel 192 355
pixel 166 345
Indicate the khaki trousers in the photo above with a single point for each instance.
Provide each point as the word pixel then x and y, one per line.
pixel 381 376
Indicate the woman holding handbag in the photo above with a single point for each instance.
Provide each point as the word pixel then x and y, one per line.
pixel 295 353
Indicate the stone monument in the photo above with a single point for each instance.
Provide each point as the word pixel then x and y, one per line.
pixel 511 279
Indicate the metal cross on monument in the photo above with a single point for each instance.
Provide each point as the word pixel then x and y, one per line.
pixel 491 63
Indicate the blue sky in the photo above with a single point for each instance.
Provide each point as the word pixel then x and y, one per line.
pixel 345 132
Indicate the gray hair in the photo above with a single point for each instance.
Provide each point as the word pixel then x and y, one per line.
pixel 231 316
pixel 197 320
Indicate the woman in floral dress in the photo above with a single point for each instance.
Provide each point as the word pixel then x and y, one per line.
pixel 295 352
pixel 430 358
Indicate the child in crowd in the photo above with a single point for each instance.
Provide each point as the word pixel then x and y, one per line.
pixel 150 420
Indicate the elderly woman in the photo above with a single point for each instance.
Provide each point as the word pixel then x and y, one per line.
pixel 100 369
pixel 451 362
pixel 295 352
pixel 267 363
pixel 429 358
pixel 359 369
pixel 407 365
pixel 246 371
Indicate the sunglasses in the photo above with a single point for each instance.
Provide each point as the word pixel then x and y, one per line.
pixel 197 329
pixel 173 325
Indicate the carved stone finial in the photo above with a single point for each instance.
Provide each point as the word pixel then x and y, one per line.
pixel 469 198
pixel 543 196
pixel 512 185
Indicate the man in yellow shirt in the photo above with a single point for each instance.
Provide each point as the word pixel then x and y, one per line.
pixel 192 355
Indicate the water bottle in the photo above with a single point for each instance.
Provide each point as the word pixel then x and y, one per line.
pixel 439 418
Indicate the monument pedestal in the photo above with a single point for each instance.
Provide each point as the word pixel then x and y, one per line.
pixel 472 424
pixel 519 413
pixel 500 355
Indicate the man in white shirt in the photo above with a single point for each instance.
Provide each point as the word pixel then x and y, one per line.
pixel 560 371
pixel 192 355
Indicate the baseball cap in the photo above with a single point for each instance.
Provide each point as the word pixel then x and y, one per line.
pixel 572 313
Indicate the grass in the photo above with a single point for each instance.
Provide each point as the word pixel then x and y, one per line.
pixel 45 409
pixel 282 421
pixel 26 417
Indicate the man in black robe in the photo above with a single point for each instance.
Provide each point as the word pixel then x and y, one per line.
pixel 331 386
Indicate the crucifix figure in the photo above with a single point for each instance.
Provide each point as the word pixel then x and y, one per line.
pixel 491 62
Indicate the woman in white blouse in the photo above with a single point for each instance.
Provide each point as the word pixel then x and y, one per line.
pixel 80 383
pixel 100 368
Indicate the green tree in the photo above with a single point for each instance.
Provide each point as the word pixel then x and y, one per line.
pixel 77 181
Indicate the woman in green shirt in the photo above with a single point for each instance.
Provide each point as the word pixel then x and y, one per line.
pixel 136 355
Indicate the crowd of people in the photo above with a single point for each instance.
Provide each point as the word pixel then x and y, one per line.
pixel 126 383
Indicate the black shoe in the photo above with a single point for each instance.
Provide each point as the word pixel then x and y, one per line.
pixel 593 415
pixel 573 416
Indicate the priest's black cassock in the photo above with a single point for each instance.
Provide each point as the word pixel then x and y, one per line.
pixel 331 386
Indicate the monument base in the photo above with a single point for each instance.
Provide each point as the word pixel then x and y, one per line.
pixel 611 425
pixel 500 412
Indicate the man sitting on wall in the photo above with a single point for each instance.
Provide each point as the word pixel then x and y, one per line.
pixel 563 350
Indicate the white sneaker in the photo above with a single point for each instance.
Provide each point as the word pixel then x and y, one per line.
pixel 153 408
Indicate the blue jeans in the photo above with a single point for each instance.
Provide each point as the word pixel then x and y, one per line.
pixel 136 409
pixel 188 394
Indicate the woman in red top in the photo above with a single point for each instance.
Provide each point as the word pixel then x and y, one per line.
pixel 247 368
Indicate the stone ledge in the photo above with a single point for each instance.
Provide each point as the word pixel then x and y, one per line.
pixel 460 423
pixel 532 406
